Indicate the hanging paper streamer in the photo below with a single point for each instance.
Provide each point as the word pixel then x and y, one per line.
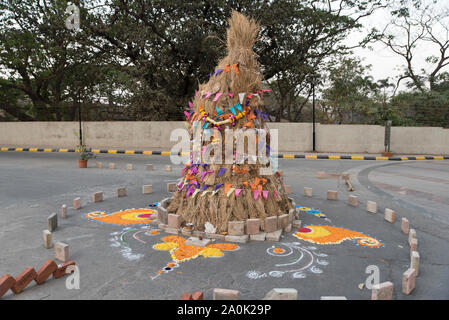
pixel 219 112
pixel 241 97
pixel 195 193
pixel 205 192
pixel 207 95
pixel 187 115
pixel 194 170
pixel 256 194
pixel 237 192
pixel 227 187
pixel 191 105
pixel 217 96
pixel 190 191
pixel 232 109
pixel 218 72
pixel 218 186
pixel 230 192
pixel 265 194
pixel 275 194
pixel 221 172
pixel 239 107
pixel 230 94
pixel 203 174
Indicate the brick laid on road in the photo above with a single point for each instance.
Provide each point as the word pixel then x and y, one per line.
pixel 62 251
pixel 332 195
pixel 408 281
pixel 282 294
pixel 405 225
pixel 47 269
pixel 353 200
pixel 371 206
pixel 382 291
pixel 225 294
pixel 48 239
pixel 52 222
pixel 390 215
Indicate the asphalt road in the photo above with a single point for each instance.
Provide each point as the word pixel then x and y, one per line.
pixel 116 263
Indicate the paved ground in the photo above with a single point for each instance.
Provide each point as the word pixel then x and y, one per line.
pixel 117 264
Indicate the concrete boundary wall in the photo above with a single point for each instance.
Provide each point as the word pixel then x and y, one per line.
pixel 293 137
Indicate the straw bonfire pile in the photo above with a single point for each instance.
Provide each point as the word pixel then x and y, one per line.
pixel 218 193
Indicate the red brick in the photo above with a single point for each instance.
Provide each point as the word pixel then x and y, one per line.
pixel 23 279
pixel 6 283
pixel 60 272
pixel 186 296
pixel 198 295
pixel 45 271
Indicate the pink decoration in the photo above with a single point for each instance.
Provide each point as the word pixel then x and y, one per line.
pixel 265 194
pixel 256 194
pixel 237 192
pixel 217 96
pixel 207 95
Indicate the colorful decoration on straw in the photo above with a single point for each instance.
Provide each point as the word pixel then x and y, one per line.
pixel 221 172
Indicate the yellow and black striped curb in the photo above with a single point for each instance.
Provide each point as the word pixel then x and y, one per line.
pixel 280 155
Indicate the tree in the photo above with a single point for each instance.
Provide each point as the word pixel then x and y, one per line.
pixel 43 59
pixel 350 94
pixel 413 25
pixel 173 44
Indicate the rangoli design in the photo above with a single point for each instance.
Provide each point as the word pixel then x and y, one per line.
pixel 180 252
pixel 334 235
pixel 126 217
pixel 299 260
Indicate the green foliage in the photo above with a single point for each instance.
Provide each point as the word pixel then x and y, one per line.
pixel 143 59
pixel 85 153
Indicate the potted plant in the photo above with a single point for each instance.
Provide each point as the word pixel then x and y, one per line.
pixel 85 154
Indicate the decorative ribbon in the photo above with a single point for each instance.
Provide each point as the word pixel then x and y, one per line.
pixel 217 96
pixel 203 174
pixel 195 193
pixel 241 97
pixel 230 192
pixel 239 107
pixel 207 95
pixel 221 172
pixel 227 187
pixel 237 192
